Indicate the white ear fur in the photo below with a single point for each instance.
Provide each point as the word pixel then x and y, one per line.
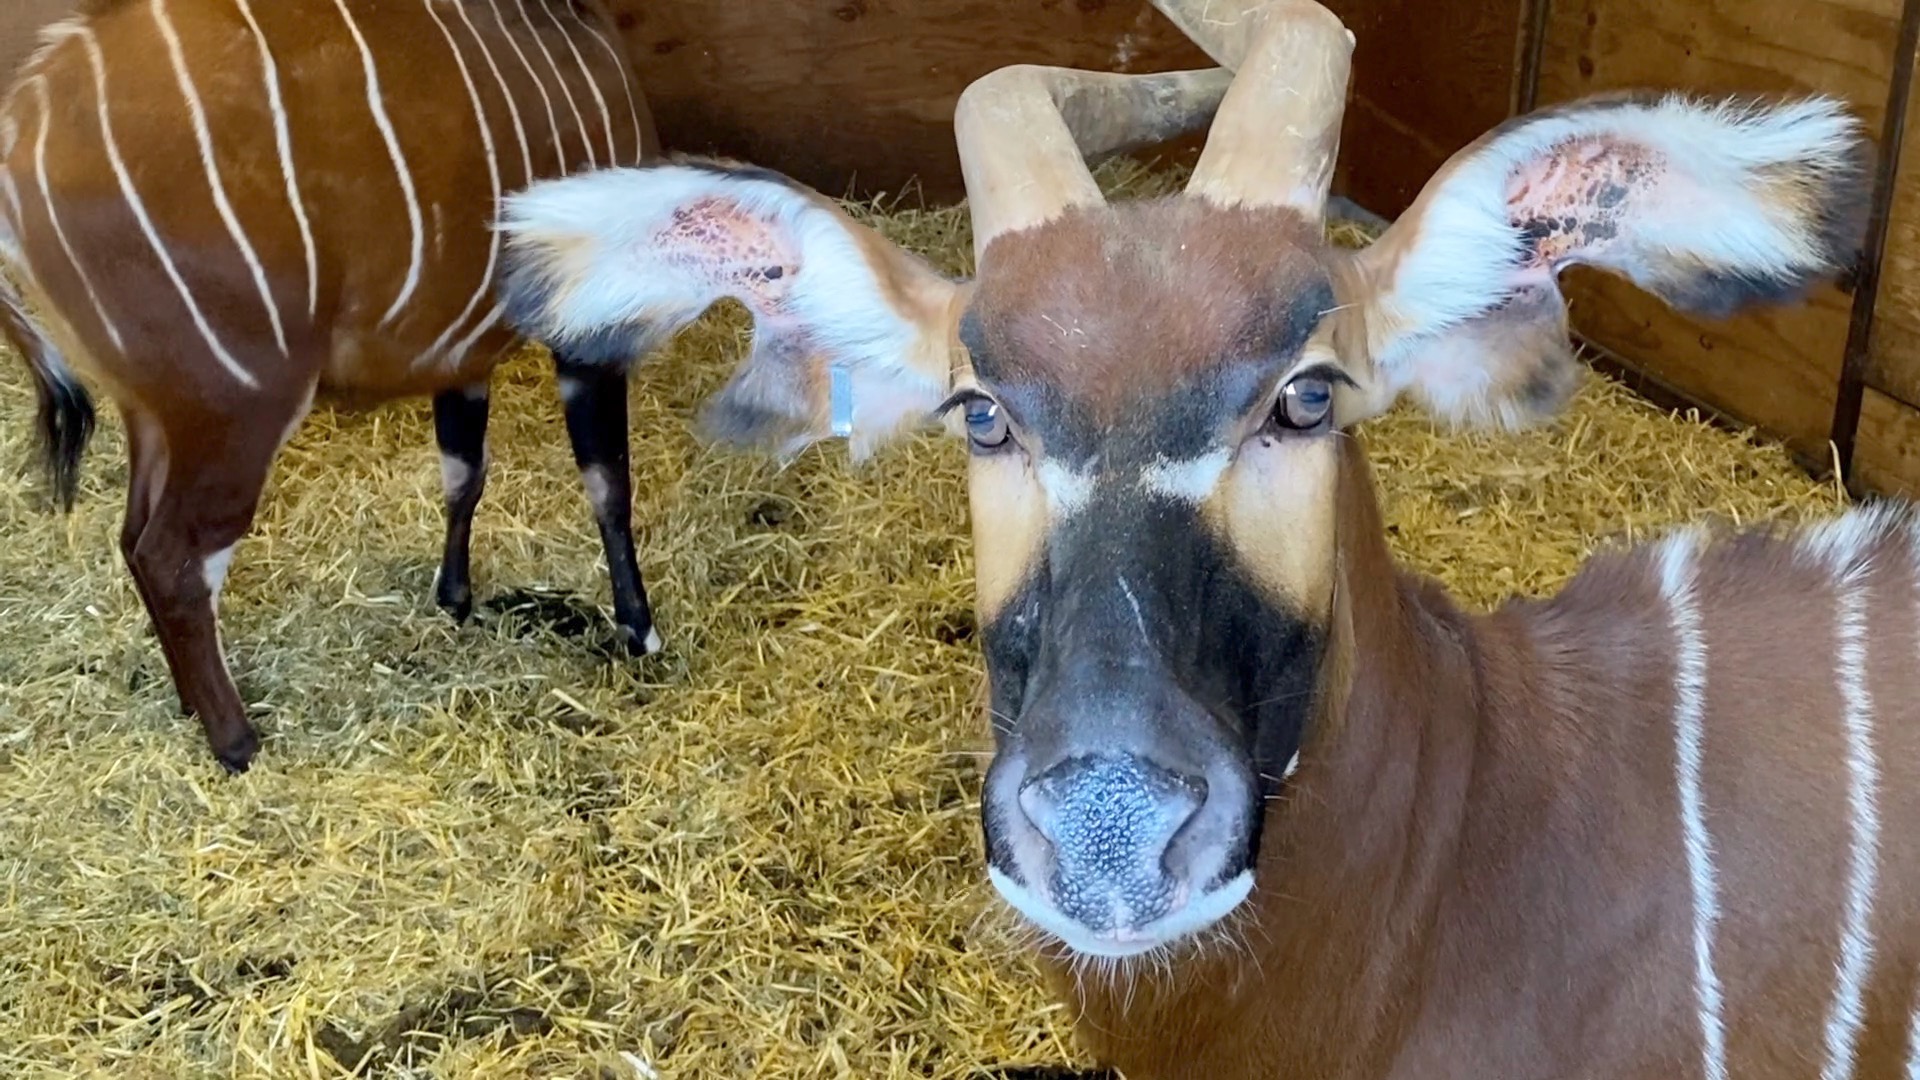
pixel 604 266
pixel 1730 204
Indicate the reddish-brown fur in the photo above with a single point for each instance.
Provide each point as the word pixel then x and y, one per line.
pixel 1478 870
pixel 202 440
pixel 1225 266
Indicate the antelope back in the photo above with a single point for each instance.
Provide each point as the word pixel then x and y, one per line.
pixel 300 188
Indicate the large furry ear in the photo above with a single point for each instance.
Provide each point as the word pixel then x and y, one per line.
pixel 1712 206
pixel 852 335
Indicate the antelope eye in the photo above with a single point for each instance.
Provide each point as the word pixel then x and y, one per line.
pixel 986 424
pixel 1305 404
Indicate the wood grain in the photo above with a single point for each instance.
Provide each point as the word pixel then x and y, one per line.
pixel 1886 457
pixel 1893 365
pixel 1777 369
pixel 856 96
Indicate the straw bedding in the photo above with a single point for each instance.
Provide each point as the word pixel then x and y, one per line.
pixel 497 850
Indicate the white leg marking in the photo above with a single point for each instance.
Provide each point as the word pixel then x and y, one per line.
pixel 196 111
pixel 513 108
pixel 1844 1021
pixel 1689 716
pixel 493 175
pixel 283 142
pixel 139 208
pixel 593 85
pixel 553 118
pixel 39 83
pixel 626 84
pixel 579 120
pixel 377 106
pixel 214 569
pixel 454 476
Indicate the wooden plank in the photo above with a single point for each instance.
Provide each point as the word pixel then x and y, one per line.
pixel 1893 365
pixel 1778 369
pixel 1886 459
pixel 858 95
pixel 1428 78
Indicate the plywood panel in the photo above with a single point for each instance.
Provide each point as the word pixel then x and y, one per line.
pixel 1780 369
pixel 1886 459
pixel 858 95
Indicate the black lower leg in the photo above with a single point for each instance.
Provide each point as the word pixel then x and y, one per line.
pixel 595 398
pixel 460 427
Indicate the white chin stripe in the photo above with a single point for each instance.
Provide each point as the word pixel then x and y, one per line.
pixel 1203 911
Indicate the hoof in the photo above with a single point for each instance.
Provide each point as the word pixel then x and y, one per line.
pixel 640 643
pixel 237 756
pixel 455 601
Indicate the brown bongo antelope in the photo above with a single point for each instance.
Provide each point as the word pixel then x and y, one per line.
pixel 1275 807
pixel 219 208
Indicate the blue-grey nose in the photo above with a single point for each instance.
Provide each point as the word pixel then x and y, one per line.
pixel 1110 819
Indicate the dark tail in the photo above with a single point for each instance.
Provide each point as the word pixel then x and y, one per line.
pixel 66 412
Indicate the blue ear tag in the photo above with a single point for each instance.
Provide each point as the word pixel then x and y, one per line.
pixel 841 389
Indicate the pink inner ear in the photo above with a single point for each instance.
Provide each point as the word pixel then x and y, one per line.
pixel 1574 198
pixel 716 241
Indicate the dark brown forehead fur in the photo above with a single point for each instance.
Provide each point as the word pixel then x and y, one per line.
pixel 1108 306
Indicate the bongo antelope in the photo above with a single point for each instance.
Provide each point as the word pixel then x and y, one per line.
pixel 219 208
pixel 1274 807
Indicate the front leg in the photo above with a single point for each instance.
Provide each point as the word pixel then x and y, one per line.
pixel 460 427
pixel 595 399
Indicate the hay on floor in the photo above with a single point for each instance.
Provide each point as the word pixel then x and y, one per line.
pixel 493 851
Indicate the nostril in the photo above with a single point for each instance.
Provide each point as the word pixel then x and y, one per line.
pixel 1111 808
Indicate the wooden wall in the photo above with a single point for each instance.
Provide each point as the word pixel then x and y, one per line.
pixel 1778 370
pixel 1886 455
pixel 857 96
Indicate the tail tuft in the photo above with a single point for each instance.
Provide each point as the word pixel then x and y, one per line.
pixel 66 418
pixel 66 427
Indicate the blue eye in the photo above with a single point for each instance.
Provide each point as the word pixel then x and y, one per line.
pixel 1305 404
pixel 986 424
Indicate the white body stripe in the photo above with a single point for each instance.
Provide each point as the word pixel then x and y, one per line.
pixel 220 353
pixel 39 83
pixel 593 87
pixel 203 136
pixel 553 118
pixel 283 144
pixel 1847 1015
pixel 1689 716
pixel 465 344
pixel 493 175
pixel 513 107
pixel 626 84
pixel 377 106
pixel 580 121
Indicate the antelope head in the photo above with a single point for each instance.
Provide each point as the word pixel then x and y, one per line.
pixel 1154 393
